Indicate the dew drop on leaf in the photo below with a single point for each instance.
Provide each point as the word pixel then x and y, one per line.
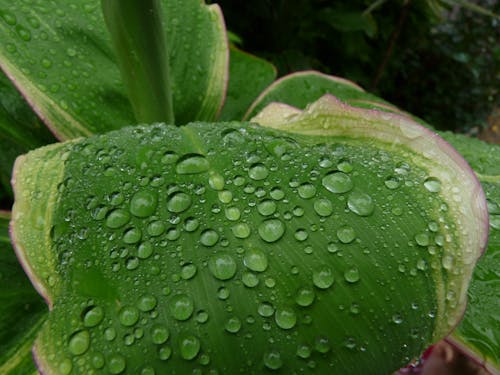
pixel 337 182
pixel 392 182
pixel 360 203
pixel 255 260
pixel 209 237
pixel 181 307
pixel 147 303
pixel 79 342
pixel 432 184
pixel 143 203
pixel 322 344
pixel 258 172
pixel 192 164
pixel 232 213
pixel 323 207
pixel 159 334
pixel 265 309
pixel 178 202
pixel 128 316
pixel 145 250
pixel 351 275
pixel 305 297
pixel 93 316
pixel 241 230
pixel 249 279
pixel 271 230
pixel 323 277
pixel 266 207
pixel 285 318
pixel 216 181
pixel 222 266
pixel 306 191
pixel 346 234
pixel 117 218
pixel 116 364
pixel 188 271
pixel 272 360
pixel 303 351
pixel 189 347
pixel 233 325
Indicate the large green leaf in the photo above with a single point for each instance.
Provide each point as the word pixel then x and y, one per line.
pixel 59 56
pixel 21 308
pixel 249 75
pixel 181 249
pixel 20 129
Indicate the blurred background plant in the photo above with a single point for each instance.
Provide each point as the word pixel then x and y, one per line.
pixel 438 59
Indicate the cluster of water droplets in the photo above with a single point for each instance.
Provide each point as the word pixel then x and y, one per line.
pixel 228 243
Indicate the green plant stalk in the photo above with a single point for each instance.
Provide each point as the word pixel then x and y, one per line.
pixel 141 47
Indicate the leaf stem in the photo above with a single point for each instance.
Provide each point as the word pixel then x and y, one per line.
pixel 141 47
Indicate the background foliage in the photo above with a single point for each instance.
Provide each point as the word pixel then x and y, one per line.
pixel 435 59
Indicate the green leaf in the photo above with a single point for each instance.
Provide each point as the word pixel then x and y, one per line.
pixel 249 75
pixel 21 308
pixel 199 58
pixel 20 130
pixel 140 43
pixel 59 56
pixel 300 89
pixel 157 247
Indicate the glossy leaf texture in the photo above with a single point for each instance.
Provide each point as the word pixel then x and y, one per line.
pixel 248 77
pixel 59 56
pixel 20 130
pixel 156 247
pixel 21 308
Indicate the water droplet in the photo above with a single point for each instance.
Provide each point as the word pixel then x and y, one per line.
pixel 209 237
pixel 148 371
pixel 202 316
pixel 116 364
pixel 144 203
pixel 332 248
pixel 181 307
pixel 179 202
pixel 258 172
pixel 351 275
pixel 223 293
pixel 8 17
pixel 164 353
pixel 189 346
pixel 159 334
pixel 222 266
pixel 169 157
pixel 337 182
pixel 147 303
pixel 132 263
pixel 323 207
pixel 110 334
pixel 360 203
pixel 249 279
pixel 392 182
pixel 303 351
pixel 232 213
pixel 266 207
pixel 233 325
pixel 285 318
pixel 66 366
pixel 192 164
pixel 345 166
pixel 93 316
pixel 188 271
pixel 156 228
pixel 145 250
pixel 265 310
pixel 397 319
pixel 132 236
pixel 272 360
pixel 216 181
pixel 306 191
pixel 346 234
pixel 191 224
pixel 128 316
pixel 23 33
pixel 422 239
pixel 117 218
pixel 79 342
pixel 277 194
pixel 323 277
pixel 71 52
pixel 241 230
pixel 301 234
pixel 354 309
pixel 322 344
pixel 255 259
pixel 305 297
pixel 432 184
pixel 271 230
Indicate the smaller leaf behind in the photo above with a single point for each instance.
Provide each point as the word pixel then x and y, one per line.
pixel 22 311
pixel 248 76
